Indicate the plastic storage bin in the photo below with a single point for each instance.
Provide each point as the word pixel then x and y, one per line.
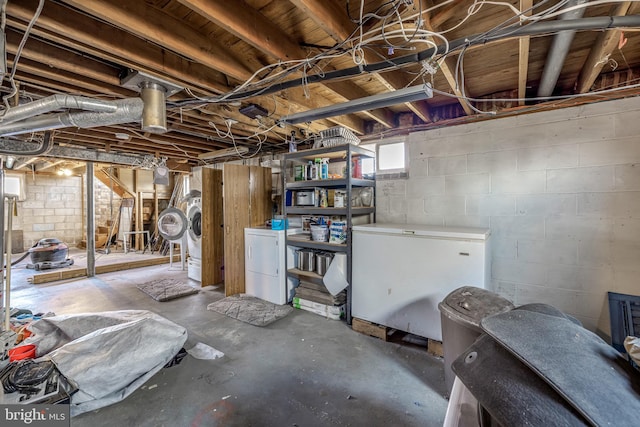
pixel 461 312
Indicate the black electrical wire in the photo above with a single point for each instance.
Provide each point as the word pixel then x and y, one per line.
pixel 25 375
pixel 537 28
pixel 22 257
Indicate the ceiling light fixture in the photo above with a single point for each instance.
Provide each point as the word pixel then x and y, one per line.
pixel 10 162
pixel 231 151
pixel 400 96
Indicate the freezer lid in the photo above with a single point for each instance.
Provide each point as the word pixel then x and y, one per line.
pixel 425 230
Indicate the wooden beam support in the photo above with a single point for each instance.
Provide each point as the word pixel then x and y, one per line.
pixel 444 13
pixel 111 44
pixel 448 71
pixel 239 18
pixel 62 59
pixel 330 16
pixel 267 37
pixel 151 24
pixel 605 44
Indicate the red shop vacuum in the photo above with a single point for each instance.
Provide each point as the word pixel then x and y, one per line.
pixel 49 253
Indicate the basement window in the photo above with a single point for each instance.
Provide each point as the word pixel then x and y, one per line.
pixel 14 185
pixel 392 159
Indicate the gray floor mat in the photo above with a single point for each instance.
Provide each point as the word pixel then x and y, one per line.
pixel 166 289
pixel 250 309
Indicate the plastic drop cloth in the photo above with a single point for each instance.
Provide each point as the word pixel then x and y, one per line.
pixel 107 355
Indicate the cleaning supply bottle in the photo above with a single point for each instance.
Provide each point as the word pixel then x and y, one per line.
pixel 325 169
pixel 310 168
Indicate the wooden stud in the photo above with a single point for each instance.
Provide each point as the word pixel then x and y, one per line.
pixel 212 231
pixel 604 45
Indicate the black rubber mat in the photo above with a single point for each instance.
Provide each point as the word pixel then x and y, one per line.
pixel 588 373
pixel 508 390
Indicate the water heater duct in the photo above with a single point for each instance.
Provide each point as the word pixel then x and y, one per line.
pixel 126 111
pixel 154 113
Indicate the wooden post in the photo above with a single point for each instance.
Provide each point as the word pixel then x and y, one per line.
pixel 212 231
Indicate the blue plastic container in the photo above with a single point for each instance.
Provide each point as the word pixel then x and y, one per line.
pixel 279 224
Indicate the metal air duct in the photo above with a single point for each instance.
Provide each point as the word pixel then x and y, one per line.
pixel 55 102
pixel 558 51
pixel 127 110
pixel 154 113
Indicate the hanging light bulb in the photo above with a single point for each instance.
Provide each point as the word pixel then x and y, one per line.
pixel 64 171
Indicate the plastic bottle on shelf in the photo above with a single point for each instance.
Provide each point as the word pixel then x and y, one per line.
pixel 325 169
pixel 310 171
pixel 324 199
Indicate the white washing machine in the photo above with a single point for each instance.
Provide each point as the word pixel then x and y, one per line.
pixel 173 224
pixel 194 238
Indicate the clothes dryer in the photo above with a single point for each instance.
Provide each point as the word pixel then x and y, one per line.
pixel 194 235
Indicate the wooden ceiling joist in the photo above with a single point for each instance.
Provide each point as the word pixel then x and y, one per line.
pixel 265 36
pixel 111 44
pixel 330 16
pixel 603 47
pixel 150 24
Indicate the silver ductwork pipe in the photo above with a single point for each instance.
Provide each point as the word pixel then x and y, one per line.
pixel 154 114
pixel 10 147
pixel 55 102
pixel 558 51
pixel 126 111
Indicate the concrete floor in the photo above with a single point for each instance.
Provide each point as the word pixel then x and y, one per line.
pixel 303 370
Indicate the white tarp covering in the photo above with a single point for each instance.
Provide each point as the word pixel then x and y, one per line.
pixel 107 355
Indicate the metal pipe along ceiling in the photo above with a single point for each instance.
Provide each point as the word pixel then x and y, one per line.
pixel 55 102
pixel 126 111
pixel 598 23
pixel 9 147
pixel 558 51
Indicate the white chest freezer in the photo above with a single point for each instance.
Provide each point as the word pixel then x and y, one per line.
pixel 265 269
pixel 400 272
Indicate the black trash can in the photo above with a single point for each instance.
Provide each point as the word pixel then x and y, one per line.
pixel 461 312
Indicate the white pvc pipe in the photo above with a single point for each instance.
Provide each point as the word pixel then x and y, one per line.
pixel 7 306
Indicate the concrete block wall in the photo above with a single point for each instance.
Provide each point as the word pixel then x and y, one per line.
pixel 560 191
pixel 53 208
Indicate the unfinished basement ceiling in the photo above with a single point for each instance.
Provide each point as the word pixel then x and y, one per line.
pixel 289 56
